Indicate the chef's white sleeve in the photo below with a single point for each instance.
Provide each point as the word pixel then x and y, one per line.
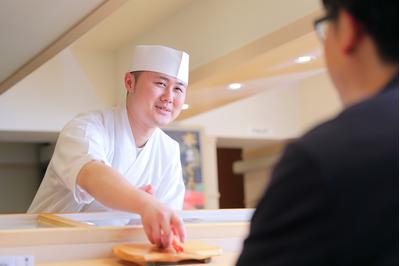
pixel 81 141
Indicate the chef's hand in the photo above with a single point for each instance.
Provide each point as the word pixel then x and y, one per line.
pixel 158 221
pixel 147 188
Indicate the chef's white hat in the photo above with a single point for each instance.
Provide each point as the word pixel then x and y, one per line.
pixel 161 59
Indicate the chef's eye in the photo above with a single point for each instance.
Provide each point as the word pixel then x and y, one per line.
pixel 161 84
pixel 179 89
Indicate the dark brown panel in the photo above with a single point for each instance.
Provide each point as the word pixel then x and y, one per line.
pixel 230 185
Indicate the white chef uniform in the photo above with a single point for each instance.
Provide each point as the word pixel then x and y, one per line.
pixel 106 136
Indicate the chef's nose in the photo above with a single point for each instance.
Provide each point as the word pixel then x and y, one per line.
pixel 167 96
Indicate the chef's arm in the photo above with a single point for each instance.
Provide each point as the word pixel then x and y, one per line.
pixel 111 189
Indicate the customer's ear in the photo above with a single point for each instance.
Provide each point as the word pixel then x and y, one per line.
pixel 350 32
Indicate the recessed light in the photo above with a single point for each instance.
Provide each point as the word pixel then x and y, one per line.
pixel 234 86
pixel 304 59
pixel 185 106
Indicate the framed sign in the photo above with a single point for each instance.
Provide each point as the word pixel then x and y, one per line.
pixel 189 140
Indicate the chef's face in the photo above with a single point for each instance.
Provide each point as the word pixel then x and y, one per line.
pixel 156 99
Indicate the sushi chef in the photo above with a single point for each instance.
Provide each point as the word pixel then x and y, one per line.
pixel 119 158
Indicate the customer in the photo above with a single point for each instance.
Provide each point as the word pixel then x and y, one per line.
pixel 333 197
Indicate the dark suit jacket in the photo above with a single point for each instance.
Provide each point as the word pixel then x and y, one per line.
pixel 333 197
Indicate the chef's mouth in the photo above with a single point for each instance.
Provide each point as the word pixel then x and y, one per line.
pixel 163 108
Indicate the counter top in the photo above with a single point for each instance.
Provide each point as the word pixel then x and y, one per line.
pixel 91 244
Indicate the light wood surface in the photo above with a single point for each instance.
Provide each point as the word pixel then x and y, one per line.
pixel 92 245
pixel 142 253
pixel 226 259
pixel 58 221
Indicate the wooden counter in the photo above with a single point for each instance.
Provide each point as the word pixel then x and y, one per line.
pixel 92 245
pixel 228 258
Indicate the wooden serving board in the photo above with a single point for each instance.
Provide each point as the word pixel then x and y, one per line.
pixel 145 253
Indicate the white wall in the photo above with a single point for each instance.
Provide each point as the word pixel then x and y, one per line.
pixel 319 101
pixel 273 114
pixel 72 82
pixel 280 112
pixel 210 173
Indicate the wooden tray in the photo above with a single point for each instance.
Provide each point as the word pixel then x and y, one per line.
pixel 145 253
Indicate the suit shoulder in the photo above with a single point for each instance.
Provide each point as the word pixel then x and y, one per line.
pixel 374 122
pixel 379 112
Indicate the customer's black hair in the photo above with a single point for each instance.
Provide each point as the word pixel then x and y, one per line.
pixel 380 18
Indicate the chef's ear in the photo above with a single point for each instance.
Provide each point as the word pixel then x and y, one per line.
pixel 129 82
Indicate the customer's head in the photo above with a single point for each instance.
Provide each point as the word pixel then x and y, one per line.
pixel 361 42
pixel 379 18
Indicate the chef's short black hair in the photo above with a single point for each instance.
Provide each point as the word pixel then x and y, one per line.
pixel 136 74
pixel 380 18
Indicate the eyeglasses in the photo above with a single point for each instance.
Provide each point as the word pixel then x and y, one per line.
pixel 321 25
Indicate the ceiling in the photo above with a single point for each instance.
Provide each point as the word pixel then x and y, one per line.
pixel 272 68
pixel 23 22
pixel 50 26
pixel 129 22
pixel 34 31
pixel 267 62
